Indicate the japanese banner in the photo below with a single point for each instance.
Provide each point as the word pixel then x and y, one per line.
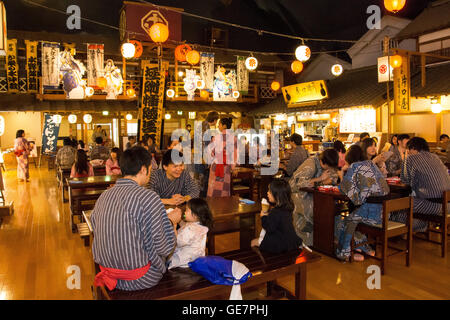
pixel 207 69
pixel 50 65
pixel 402 87
pixel 242 75
pixel 151 111
pixel 96 57
pixel 50 134
pixel 32 66
pixel 12 68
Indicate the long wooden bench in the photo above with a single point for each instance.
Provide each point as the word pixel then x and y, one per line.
pixel 184 284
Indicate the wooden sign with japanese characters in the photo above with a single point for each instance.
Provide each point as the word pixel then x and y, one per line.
pixel 32 66
pixel 12 68
pixel 151 111
pixel 402 87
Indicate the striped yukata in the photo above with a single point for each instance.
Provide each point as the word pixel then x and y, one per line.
pixel 131 229
pixel 166 188
pixel 428 178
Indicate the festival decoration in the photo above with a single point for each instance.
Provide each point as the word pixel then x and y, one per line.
pixel 105 113
pixel 193 57
pixel 303 53
pixel 168 116
pixel 89 91
pixel 207 69
pixel 139 49
pixel 297 66
pixel 251 63
pixel 95 64
pixel 192 115
pixel 204 94
pixel 337 70
pixel 396 61
pixel 114 85
pixel 394 5
pixel 243 79
pixel 275 86
pixel 12 67
pixel 57 118
pixel 236 94
pixel 128 50
pixel 170 93
pixel 129 117
pixel 72 71
pixel 190 83
pixel 159 32
pixel 181 51
pixel 224 85
pixel 50 65
pixel 102 82
pixel 87 118
pixel 131 93
pixel 72 119
pixel 31 66
pixel 200 84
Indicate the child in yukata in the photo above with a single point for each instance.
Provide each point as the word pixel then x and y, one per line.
pixel 191 236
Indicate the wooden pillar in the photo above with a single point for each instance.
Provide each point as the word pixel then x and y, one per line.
pixel 439 121
pixel 422 68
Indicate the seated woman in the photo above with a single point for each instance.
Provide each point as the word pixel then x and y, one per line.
pixel 362 180
pixel 369 148
pixel 318 170
pixel 112 164
pixel 81 168
pixel 340 148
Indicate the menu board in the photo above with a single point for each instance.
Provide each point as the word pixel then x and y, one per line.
pixel 357 120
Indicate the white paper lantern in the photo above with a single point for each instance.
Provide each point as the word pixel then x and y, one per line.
pixel 57 119
pixel 201 84
pixel 337 70
pixel 128 50
pixel 2 125
pixel 192 115
pixel 170 93
pixel 168 116
pixel 106 113
pixel 436 108
pixel 303 53
pixel 87 118
pixel 251 63
pixel 236 94
pixel 72 119
pixel 129 117
pixel 89 91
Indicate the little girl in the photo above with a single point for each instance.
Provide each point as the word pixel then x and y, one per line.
pixel 112 164
pixel 280 235
pixel 191 237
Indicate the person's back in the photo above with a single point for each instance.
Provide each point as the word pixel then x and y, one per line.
pixel 100 152
pixel 66 157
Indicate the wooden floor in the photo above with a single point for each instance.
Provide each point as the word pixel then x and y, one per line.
pixel 37 247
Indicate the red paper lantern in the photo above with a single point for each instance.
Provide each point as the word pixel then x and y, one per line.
pixel 181 51
pixel 193 57
pixel 139 48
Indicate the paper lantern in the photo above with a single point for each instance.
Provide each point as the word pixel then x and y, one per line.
pixel 396 61
pixel 87 118
pixel 204 94
pixel 337 70
pixel 2 125
pixel 436 108
pixel 89 91
pixel 105 113
pixel 128 50
pixel 394 5
pixel 168 116
pixel 193 57
pixel 131 93
pixel 200 84
pixel 138 48
pixel 129 117
pixel 275 86
pixel 159 33
pixel 72 119
pixel 251 63
pixel 192 115
pixel 181 51
pixel 297 66
pixel 170 93
pixel 303 53
pixel 236 94
pixel 57 119
pixel 102 82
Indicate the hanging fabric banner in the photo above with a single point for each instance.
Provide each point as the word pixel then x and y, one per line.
pixel 224 85
pixel 32 66
pixel 402 87
pixel 3 33
pixel 50 134
pixel 207 69
pixel 242 75
pixel 96 57
pixel 50 65
pixel 151 111
pixel 12 68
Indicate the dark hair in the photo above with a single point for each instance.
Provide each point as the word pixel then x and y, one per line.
pixel 81 162
pixel 403 137
pixel 297 139
pixel 418 144
pixel 81 143
pixel 213 116
pixel 99 140
pixel 131 137
pixel 443 136
pixel 67 141
pixel 99 126
pixel 363 135
pixel 133 159
pixel 354 154
pixel 392 138
pixel 330 157
pixel 366 144
pixel 116 151
pixel 188 125
pixel 227 122
pixel 281 191
pixel 339 146
pixel 19 133
pixel 167 158
pixel 200 209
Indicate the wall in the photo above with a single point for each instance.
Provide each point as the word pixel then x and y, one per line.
pixel 423 125
pixel 31 122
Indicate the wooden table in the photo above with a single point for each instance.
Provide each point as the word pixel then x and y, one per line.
pixel 95 182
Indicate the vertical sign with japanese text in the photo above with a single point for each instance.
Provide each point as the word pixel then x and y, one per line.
pixel 151 111
pixel 32 66
pixel 402 87
pixel 50 65
pixel 50 134
pixel 242 75
pixel 96 57
pixel 12 68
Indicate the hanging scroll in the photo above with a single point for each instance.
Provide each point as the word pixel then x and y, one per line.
pixel 50 134
pixel 96 57
pixel 12 68
pixel 32 66
pixel 242 75
pixel 402 87
pixel 50 65
pixel 207 69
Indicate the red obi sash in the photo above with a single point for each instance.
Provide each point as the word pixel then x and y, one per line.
pixel 108 276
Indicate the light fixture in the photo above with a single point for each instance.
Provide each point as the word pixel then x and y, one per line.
pixel 128 50
pixel 236 94
pixel 170 93
pixel 303 53
pixel 180 73
pixel 72 119
pixel 204 94
pixel 180 113
pixel 105 113
pixel 168 116
pixel 89 91
pixel 193 57
pixel 337 70
pixel 129 117
pixel 159 33
pixel 251 63
pixel 192 115
pixel 297 66
pixel 2 125
pixel 396 61
pixel 57 119
pixel 436 106
pixel 87 118
pixel 200 84
pixel 131 93
pixel 275 86
pixel 394 5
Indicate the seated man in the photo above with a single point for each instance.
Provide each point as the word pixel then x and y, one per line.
pixel 133 232
pixel 172 183
pixel 131 142
pixel 298 156
pixel 99 152
pixel 65 157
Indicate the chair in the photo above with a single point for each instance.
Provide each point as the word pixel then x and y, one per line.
pixel 389 229
pixel 243 184
pixel 443 221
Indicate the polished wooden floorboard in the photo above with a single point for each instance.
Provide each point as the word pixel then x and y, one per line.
pixel 37 247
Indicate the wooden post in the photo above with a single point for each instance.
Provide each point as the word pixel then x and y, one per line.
pixel 422 68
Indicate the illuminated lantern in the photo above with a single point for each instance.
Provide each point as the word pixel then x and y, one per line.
pixel 129 117
pixel 57 119
pixel 138 48
pixel 105 113
pixel 251 63
pixel 193 57
pixel 297 66
pixel 180 73
pixel 89 91
pixel 396 61
pixel 181 51
pixel 236 94
pixel 128 50
pixel 337 70
pixel 72 119
pixel 168 116
pixel 170 93
pixel 87 118
pixel 131 93
pixel 436 106
pixel 394 5
pixel 102 82
pixel 2 125
pixel 200 84
pixel 275 86
pixel 192 115
pixel 204 94
pixel 159 33
pixel 303 53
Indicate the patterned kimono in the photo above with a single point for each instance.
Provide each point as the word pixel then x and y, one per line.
pixel 362 180
pixel 304 205
pixel 394 163
pixel 22 150
pixel 220 186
